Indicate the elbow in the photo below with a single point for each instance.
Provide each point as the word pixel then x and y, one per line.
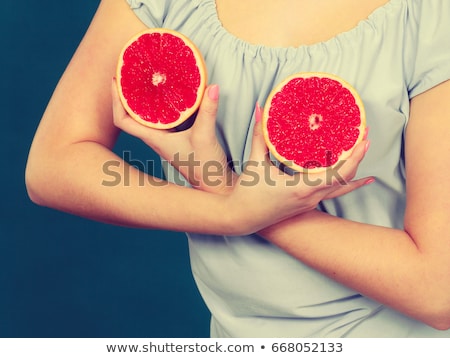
pixel 437 313
pixel 442 326
pixel 37 183
pixel 33 185
pixel 43 173
pixel 440 319
pixel 440 323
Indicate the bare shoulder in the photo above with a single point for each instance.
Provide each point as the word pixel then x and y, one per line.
pixel 80 108
pixel 427 167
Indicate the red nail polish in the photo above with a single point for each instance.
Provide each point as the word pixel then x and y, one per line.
pixel 257 113
pixel 369 181
pixel 366 133
pixel 213 92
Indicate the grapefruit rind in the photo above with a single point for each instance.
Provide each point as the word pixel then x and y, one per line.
pixel 183 116
pixel 289 165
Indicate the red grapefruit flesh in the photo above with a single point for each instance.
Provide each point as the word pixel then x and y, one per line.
pixel 161 78
pixel 312 121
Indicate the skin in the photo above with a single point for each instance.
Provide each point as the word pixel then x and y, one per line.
pixel 79 129
pixel 82 121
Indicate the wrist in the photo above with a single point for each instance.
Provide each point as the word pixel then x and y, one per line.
pixel 239 218
pixel 221 183
pixel 289 227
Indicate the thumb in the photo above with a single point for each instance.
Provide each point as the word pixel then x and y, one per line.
pixel 121 118
pixel 205 122
pixel 259 147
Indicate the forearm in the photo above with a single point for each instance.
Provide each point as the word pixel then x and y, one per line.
pixel 382 263
pixel 73 179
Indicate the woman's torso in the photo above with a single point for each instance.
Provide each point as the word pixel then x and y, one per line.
pixel 251 287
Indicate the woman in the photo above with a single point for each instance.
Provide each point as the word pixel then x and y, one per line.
pixel 277 260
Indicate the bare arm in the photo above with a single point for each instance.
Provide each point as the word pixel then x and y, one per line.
pixel 76 134
pixel 408 270
pixel 73 143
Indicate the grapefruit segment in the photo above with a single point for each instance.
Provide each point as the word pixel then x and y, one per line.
pixel 312 121
pixel 161 78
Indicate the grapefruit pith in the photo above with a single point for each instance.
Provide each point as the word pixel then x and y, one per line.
pixel 161 78
pixel 312 121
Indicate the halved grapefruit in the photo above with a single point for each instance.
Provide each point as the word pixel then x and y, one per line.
pixel 312 121
pixel 161 78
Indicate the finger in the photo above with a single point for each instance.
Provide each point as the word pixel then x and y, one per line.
pixel 205 123
pixel 118 111
pixel 259 147
pixel 121 118
pixel 346 170
pixel 349 187
pixel 366 133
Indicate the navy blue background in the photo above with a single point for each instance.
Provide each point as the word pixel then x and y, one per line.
pixel 60 275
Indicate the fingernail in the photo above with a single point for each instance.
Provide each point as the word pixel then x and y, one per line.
pixel 257 113
pixel 213 92
pixel 366 133
pixel 366 148
pixel 369 181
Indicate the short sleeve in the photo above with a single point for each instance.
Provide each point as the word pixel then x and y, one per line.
pixel 164 13
pixel 151 12
pixel 427 56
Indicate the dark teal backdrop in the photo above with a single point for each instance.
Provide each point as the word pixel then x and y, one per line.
pixel 63 276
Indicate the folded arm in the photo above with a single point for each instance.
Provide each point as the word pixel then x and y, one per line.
pixel 408 269
pixel 65 169
pixel 74 141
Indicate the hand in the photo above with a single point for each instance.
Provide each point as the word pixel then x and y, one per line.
pixel 273 196
pixel 194 152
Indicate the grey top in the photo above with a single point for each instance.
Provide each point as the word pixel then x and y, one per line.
pixel 252 288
